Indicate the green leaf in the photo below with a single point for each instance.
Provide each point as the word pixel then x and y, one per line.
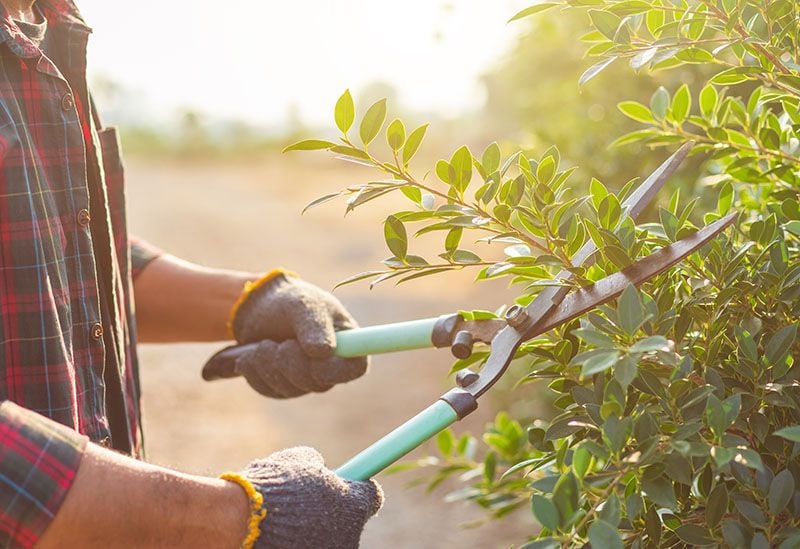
pixel 594 70
pixel 565 497
pixel 659 103
pixel 395 235
pixel 446 442
pixel 749 458
pixel 611 510
pixel 725 200
pixel 453 238
pixel 630 310
pixel 616 432
pixel 708 101
pixel 681 104
pixel 594 337
pixel 444 172
pixel 536 8
pixel 413 142
pixel 359 276
pixel 545 512
pixel 545 170
pixel 781 490
pixel 734 534
pixel 750 511
pixel 465 257
pixel 309 145
pixel 636 111
pixel 649 344
pixel 344 113
pixel 599 363
pixel 607 23
pixel 602 534
pixel 790 433
pixel 694 535
pixel 660 491
pixel 461 162
pixel 491 158
pixel 321 200
pixel 670 223
pixel 609 212
pixel 598 191
pixel 396 134
pixel 581 459
pixel 715 416
pixel 373 121
pixel 746 344
pixel 626 371
pixel 780 344
pixel 717 505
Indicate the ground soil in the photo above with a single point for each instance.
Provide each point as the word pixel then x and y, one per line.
pixel 246 215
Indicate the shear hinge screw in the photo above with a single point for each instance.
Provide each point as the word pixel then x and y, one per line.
pixel 517 317
pixel 462 344
pixel 465 378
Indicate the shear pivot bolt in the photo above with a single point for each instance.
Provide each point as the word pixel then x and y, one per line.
pixel 517 317
pixel 465 378
pixel 462 344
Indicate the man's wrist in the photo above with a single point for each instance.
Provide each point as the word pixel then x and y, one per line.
pixel 234 511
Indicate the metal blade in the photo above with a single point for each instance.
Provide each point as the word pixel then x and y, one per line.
pixel 610 287
pixel 508 340
pixel 632 206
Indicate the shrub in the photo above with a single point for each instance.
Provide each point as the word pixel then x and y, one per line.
pixel 678 416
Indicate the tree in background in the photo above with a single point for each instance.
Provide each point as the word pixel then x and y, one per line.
pixel 678 417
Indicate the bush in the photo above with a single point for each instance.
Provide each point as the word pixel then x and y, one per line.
pixel 679 408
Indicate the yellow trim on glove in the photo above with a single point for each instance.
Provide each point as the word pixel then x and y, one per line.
pixel 249 287
pixel 257 509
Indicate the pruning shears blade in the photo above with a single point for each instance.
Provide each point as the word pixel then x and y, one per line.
pixel 610 287
pixel 508 339
pixel 633 206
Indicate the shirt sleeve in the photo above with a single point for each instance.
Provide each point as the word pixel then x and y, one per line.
pixel 39 460
pixel 142 253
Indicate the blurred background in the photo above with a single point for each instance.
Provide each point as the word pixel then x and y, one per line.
pixel 207 94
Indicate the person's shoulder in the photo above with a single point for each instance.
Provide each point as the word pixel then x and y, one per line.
pixel 61 10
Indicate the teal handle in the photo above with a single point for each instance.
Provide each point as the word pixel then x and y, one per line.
pixel 386 338
pixel 372 340
pixel 411 434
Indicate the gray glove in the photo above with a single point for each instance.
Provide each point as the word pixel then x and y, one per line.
pixel 307 504
pixel 296 323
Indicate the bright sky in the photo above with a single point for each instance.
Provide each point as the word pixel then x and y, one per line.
pixel 254 60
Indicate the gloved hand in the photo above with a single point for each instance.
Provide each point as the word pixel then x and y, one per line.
pixel 307 505
pixel 296 323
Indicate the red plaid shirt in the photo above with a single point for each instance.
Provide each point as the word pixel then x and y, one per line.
pixel 67 336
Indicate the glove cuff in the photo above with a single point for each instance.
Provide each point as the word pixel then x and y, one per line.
pixel 257 509
pixel 249 288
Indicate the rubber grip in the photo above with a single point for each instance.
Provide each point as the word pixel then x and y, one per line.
pixel 372 340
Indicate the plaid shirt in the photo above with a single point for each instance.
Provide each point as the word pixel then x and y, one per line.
pixel 67 335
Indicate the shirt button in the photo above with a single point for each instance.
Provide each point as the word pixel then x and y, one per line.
pixel 83 217
pixel 97 330
pixel 67 102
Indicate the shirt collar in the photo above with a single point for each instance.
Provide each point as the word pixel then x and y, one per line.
pixel 57 12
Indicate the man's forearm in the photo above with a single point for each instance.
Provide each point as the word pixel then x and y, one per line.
pixel 180 301
pixel 117 501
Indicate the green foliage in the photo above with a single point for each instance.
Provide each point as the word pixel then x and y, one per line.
pixel 677 409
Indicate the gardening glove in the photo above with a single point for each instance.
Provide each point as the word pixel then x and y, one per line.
pixel 295 323
pixel 301 503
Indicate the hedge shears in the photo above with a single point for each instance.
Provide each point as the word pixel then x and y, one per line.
pixel 552 307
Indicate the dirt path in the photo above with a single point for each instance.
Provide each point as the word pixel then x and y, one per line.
pixel 247 216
